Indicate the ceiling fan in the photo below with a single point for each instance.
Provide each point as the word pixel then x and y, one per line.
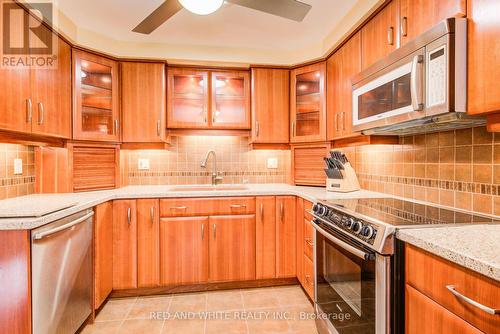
pixel 290 9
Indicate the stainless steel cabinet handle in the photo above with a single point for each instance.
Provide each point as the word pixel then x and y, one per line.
pixel 202 231
pixel 416 82
pixel 390 36
pixel 281 211
pixel 41 113
pixel 238 206
pixel 205 115
pixel 29 111
pixel 309 242
pixel 293 129
pixel 116 127
pixel 214 120
pixel 158 128
pixel 257 129
pixel 404 26
pixel 342 116
pixel 129 216
pixel 179 208
pixel 480 306
pixel 262 212
pixel 42 235
pixel 215 231
pixel 152 213
pixel 337 122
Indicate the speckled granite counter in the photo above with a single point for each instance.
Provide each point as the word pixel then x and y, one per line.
pixel 88 200
pixel 476 247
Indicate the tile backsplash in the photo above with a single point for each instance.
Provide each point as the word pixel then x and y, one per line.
pixel 458 168
pixel 12 185
pixel 181 163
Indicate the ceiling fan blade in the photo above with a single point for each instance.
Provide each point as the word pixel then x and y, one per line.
pixel 290 9
pixel 158 17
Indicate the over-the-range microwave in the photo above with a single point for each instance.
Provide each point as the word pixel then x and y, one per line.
pixel 420 87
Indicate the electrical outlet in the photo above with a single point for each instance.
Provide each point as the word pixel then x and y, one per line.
pixel 272 163
pixel 18 166
pixel 143 164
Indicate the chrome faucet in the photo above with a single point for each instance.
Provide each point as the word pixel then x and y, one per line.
pixel 216 178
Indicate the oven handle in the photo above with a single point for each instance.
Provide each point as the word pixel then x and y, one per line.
pixel 359 253
pixel 416 83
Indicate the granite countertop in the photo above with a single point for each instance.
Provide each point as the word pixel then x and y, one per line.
pixel 26 205
pixel 476 247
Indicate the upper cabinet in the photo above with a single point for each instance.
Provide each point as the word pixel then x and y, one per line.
pixel 270 106
pixel 417 16
pixel 308 104
pixel 208 100
pixel 96 108
pixel 37 99
pixel 379 36
pixel 341 67
pixel 143 96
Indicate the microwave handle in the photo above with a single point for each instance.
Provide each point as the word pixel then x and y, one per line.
pixel 416 83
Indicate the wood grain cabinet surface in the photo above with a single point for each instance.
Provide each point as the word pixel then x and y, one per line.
pixel 148 243
pixel 124 244
pixel 143 100
pixel 265 230
pixel 270 106
pixel 285 236
pixel 103 253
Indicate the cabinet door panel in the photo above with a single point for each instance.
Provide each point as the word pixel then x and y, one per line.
pixel 143 102
pixel 51 92
pixel 148 243
pixel 230 100
pixel 124 244
pixel 417 16
pixel 270 105
pixel 103 253
pixel 265 237
pixel 299 218
pixel 232 248
pixel 285 236
pixel 184 250
pixel 14 105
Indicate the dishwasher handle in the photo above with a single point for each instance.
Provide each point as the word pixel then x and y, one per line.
pixel 44 234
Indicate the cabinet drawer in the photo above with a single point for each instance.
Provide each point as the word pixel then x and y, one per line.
pixel 182 207
pixel 308 239
pixel 431 274
pixel 308 277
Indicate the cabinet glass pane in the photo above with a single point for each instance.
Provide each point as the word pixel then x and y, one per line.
pixel 188 99
pixel 308 104
pixel 229 100
pixel 96 90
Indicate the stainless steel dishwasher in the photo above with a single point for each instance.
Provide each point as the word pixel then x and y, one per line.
pixel 61 274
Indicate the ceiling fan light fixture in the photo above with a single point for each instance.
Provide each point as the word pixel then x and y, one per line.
pixel 202 7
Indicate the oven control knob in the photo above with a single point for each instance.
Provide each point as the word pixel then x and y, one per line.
pixel 315 207
pixel 349 222
pixel 356 227
pixel 321 210
pixel 367 231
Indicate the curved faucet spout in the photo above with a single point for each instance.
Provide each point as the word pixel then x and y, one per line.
pixel 216 178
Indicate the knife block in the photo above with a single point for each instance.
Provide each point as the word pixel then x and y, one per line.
pixel 348 183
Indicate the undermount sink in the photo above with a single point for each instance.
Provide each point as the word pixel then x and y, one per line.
pixel 209 188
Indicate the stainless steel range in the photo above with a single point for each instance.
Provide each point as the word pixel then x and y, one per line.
pixel 355 259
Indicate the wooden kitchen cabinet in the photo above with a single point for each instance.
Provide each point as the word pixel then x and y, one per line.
pixel 299 248
pixel 270 106
pixel 265 230
pixel 232 248
pixel 124 244
pixel 379 36
pixel 308 164
pixel 148 243
pixel 96 103
pixel 308 104
pixel 285 236
pixel 184 250
pixel 341 67
pixel 418 16
pixel 230 100
pixel 103 253
pixel 143 96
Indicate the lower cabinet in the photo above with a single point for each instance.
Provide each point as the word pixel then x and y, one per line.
pixel 103 253
pixel 148 243
pixel 265 231
pixel 285 237
pixel 232 248
pixel 305 247
pixel 184 250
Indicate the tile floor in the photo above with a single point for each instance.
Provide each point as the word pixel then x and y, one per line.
pixel 248 311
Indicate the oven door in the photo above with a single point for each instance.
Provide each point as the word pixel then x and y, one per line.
pixel 394 94
pixel 351 285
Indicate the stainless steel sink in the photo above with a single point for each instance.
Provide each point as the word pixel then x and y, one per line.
pixel 209 188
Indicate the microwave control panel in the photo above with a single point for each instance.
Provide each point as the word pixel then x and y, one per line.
pixel 437 74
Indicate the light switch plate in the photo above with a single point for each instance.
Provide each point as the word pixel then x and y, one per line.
pixel 143 164
pixel 272 163
pixel 18 166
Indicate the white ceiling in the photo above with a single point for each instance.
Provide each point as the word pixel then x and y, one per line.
pixel 232 27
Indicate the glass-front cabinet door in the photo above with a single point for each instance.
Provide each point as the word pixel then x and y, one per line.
pixel 96 109
pixel 230 100
pixel 308 112
pixel 187 99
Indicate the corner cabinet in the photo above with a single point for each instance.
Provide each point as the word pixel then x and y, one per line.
pixel 198 99
pixel 96 104
pixel 308 104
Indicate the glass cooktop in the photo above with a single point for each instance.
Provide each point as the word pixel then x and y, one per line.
pixel 402 213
